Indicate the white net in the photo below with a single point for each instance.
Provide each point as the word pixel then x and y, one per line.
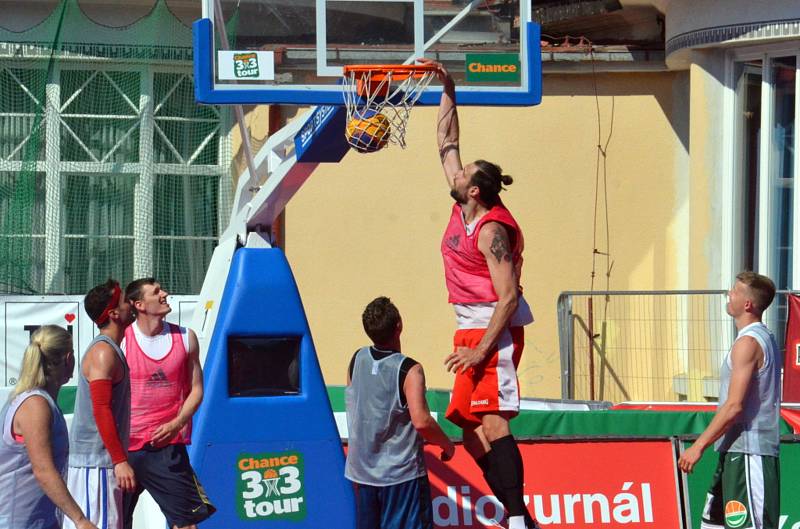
pixel 379 104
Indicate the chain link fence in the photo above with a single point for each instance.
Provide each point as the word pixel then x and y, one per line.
pixel 662 346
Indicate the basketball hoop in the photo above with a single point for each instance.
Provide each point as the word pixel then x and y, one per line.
pixel 379 99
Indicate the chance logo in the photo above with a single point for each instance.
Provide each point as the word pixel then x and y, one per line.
pixel 735 513
pixel 270 486
pixel 245 65
pixel 492 68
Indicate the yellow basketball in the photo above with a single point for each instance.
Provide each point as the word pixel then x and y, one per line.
pixel 369 131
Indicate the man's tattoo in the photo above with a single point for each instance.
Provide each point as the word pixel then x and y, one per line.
pixel 499 247
pixel 447 148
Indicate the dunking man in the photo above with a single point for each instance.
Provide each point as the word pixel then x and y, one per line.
pixel 482 251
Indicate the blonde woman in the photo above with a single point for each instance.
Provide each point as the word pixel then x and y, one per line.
pixel 34 444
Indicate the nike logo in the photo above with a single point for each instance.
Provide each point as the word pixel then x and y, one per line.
pixel 197 508
pixel 734 458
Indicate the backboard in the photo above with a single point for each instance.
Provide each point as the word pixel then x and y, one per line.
pixel 293 51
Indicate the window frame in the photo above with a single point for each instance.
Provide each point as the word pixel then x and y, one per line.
pixel 732 186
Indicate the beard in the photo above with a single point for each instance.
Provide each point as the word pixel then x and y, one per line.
pixel 458 197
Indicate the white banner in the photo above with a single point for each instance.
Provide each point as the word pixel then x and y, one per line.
pixel 22 315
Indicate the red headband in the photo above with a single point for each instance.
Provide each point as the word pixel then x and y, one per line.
pixel 112 304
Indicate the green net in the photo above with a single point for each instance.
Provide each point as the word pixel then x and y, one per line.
pixel 108 167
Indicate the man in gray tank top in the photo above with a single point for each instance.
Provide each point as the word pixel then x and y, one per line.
pixel 745 489
pixel 98 460
pixel 387 420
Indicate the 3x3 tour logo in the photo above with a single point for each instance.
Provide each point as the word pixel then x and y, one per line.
pixel 245 65
pixel 270 486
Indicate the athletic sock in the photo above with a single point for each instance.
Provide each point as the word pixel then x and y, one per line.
pixel 505 463
pixel 491 479
pixel 516 522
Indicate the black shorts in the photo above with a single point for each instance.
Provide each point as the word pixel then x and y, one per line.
pixel 169 478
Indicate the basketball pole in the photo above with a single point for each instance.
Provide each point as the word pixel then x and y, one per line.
pixel 252 184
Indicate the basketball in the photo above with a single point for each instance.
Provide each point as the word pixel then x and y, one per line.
pixel 368 131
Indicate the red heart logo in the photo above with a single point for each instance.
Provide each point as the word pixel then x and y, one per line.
pixel 69 317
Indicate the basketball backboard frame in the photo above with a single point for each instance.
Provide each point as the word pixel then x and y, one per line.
pixel 209 89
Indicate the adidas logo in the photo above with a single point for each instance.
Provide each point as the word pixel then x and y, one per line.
pixel 158 376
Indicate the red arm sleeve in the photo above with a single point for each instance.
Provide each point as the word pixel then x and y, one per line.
pixel 100 391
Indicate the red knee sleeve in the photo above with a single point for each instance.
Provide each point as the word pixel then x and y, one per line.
pixel 100 391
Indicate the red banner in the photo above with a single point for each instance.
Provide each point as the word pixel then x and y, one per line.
pixel 791 358
pixel 577 484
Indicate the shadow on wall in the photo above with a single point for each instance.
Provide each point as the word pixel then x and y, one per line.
pixel 674 101
pixel 646 156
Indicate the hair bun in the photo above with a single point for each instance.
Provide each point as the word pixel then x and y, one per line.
pixel 506 179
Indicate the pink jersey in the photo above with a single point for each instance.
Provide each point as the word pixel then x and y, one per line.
pixel 465 270
pixel 158 388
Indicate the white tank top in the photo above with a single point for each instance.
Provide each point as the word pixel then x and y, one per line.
pixel 383 448
pixel 25 505
pixel 756 430
pixel 156 347
pixel 477 315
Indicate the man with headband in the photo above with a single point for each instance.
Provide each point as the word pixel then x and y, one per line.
pixel 99 472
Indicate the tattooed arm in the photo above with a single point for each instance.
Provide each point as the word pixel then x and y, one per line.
pixel 494 245
pixel 447 131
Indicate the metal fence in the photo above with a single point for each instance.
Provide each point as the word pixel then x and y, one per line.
pixel 662 346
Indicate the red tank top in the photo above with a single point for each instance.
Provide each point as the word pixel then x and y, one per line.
pixel 158 388
pixel 465 270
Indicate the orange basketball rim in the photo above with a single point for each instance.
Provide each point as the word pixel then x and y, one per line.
pixel 375 79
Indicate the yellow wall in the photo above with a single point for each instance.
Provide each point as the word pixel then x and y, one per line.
pixel 371 225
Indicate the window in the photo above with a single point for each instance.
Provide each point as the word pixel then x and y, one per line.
pixel 764 146
pixel 111 171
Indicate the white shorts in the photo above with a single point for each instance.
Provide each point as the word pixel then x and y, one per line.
pixel 96 492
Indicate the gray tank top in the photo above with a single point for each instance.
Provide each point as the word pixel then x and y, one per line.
pixel 757 429
pixel 25 505
pixel 86 446
pixel 384 448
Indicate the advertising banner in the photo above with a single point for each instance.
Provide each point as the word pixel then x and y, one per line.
pixel 246 64
pixel 22 318
pixel 22 315
pixel 568 484
pixel 699 481
pixel 492 67
pixel 270 487
pixel 791 359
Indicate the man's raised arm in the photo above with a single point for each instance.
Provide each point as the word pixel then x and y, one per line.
pixel 447 132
